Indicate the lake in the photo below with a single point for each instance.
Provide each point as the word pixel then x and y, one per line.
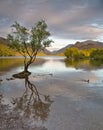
pixel 58 95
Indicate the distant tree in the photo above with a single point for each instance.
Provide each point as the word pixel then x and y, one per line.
pixel 72 53
pixel 29 42
pixel 75 53
pixel 97 54
pixel 68 53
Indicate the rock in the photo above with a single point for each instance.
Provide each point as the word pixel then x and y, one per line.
pixel 1 80
pixel 22 74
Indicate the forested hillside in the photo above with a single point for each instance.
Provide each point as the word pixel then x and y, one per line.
pixel 4 48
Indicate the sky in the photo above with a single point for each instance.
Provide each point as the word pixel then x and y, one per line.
pixel 68 20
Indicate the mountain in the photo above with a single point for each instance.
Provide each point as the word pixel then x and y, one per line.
pixel 87 45
pixel 3 41
pixel 61 50
pixel 47 52
pixel 81 45
pixel 4 48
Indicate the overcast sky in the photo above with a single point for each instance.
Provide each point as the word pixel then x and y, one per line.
pixel 68 20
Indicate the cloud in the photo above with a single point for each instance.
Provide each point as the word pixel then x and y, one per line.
pixel 66 19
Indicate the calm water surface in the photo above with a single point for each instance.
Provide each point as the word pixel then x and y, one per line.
pixel 58 95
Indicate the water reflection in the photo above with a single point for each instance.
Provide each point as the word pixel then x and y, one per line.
pixel 68 86
pixel 9 63
pixel 32 103
pixel 48 65
pixel 97 63
pixel 26 110
pixel 84 64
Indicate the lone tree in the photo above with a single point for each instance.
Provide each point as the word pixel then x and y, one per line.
pixel 29 42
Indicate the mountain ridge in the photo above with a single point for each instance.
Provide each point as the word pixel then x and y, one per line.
pixel 85 45
pixel 3 41
pixel 88 44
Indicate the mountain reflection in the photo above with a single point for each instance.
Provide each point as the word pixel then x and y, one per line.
pixel 32 106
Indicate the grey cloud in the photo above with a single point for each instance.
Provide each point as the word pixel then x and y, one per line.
pixel 67 19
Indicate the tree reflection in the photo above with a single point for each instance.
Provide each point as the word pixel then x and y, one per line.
pixel 71 63
pixel 84 64
pixel 97 63
pixel 32 104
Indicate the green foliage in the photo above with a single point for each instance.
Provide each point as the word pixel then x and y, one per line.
pixel 93 53
pixel 74 53
pixel 6 51
pixel 97 54
pixel 29 42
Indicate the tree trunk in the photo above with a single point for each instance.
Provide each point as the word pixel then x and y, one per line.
pixel 25 73
pixel 26 64
pixel 26 68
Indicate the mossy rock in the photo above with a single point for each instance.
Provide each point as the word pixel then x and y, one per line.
pixel 22 75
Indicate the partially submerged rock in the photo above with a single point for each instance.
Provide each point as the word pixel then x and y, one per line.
pixel 22 74
pixel 1 80
pixel 10 78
